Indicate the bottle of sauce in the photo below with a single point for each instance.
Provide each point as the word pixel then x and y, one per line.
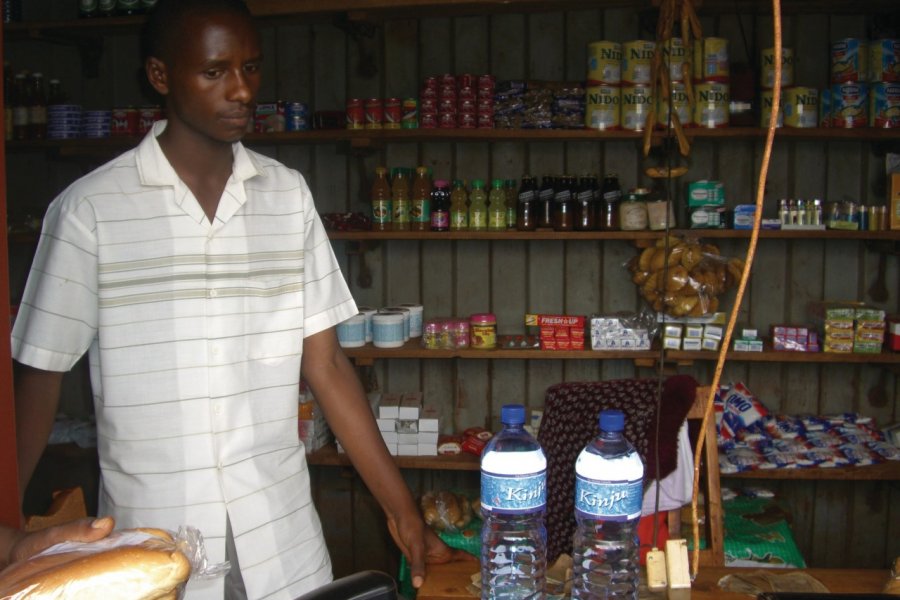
pixel 400 199
pixel 420 207
pixel 459 209
pixel 497 206
pixel 478 211
pixel 611 194
pixel 545 202
pixel 584 205
pixel 526 215
pixel 37 107
pixel 440 206
pixel 380 197
pixel 512 196
pixel 563 209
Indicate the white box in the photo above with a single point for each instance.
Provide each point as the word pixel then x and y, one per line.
pixel 386 424
pixel 711 344
pixel 427 449
pixel 672 331
pixel 392 448
pixel 691 343
pixel 713 332
pixel 389 408
pixel 407 449
pixel 428 437
pixel 390 437
pixel 672 343
pixel 407 438
pixel 693 331
pixel 410 405
pixel 429 418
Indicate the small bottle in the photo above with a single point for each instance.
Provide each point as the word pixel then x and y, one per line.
pixel 563 210
pixel 87 9
pixel 611 195
pixel 440 206
pixel 513 501
pixel 497 206
pixel 459 209
pixel 106 8
pixel 400 199
pixel 512 195
pixel 37 107
pixel 420 205
pixel 584 205
pixel 478 210
pixel 55 93
pixel 128 7
pixel 545 202
pixel 380 197
pixel 609 480
pixel 20 107
pixel 526 219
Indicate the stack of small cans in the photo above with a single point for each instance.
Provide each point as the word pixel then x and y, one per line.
pixel 96 123
pixel 63 121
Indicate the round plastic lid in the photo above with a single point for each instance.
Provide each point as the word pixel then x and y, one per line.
pixel 612 420
pixel 512 414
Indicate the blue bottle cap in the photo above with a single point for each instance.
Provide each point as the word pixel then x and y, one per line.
pixel 612 420
pixel 512 414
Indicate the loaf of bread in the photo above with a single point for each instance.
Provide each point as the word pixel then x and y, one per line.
pixel 130 564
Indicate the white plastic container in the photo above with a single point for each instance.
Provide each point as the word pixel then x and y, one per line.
pixel 415 319
pixel 406 318
pixel 368 311
pixel 352 332
pixel 387 329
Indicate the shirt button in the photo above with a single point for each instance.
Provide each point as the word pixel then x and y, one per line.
pixel 212 293
pixel 214 350
pixel 217 409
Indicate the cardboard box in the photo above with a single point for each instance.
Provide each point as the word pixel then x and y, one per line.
pixel 894 201
pixel 558 332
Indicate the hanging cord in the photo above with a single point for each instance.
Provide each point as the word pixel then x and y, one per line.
pixel 748 263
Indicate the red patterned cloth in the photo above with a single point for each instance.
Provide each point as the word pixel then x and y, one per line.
pixel 571 411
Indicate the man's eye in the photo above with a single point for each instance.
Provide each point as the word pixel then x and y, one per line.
pixel 213 73
pixel 251 67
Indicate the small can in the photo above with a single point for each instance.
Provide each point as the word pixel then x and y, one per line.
pixel 711 104
pixel 766 98
pixel 825 108
pixel 124 121
pixel 801 107
pixel 393 113
pixel 711 59
pixel 374 111
pixel 428 120
pixel 884 61
pixel 874 223
pixel 602 107
pixel 637 56
pixel 681 106
pixel 884 105
pixel 849 104
pixel 767 71
pixel 467 120
pixel 636 104
pixel 296 116
pixel 604 63
pixel 848 61
pixel 356 114
pixel 409 114
pixel 147 116
pixel 862 217
pixel 483 331
pixel 815 211
pixel 446 120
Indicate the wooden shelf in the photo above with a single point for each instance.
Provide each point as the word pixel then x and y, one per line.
pixel 329 456
pixel 546 234
pixel 413 350
pixel 886 471
pixel 374 138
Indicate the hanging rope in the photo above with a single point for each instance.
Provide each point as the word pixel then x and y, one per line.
pixel 748 263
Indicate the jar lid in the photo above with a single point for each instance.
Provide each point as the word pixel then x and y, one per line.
pixel 483 318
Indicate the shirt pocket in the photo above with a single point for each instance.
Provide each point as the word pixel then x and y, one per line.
pixel 273 319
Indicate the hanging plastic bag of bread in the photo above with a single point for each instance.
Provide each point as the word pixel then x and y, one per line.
pixel 129 564
pixel 684 277
pixel 446 511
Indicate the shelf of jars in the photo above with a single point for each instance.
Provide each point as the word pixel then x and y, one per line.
pixel 373 138
pixel 643 235
pixel 367 355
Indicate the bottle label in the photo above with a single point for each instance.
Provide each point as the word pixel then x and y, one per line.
pixel 477 219
pixel 459 219
pixel 440 219
pixel 612 500
pixel 381 211
pixel 513 494
pixel 420 211
pixel 401 211
pixel 497 219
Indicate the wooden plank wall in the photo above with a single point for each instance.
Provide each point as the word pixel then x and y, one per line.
pixel 320 64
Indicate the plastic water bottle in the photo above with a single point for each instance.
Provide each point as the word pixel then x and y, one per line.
pixel 608 496
pixel 513 500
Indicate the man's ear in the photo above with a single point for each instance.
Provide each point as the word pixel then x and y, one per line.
pixel 157 75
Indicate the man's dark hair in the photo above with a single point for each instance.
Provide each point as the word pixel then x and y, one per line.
pixel 160 31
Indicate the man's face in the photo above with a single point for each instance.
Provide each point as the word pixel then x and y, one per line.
pixel 213 75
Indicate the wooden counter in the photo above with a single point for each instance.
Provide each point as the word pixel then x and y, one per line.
pixel 448 582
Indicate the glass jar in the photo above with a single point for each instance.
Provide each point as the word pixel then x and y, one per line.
pixel 483 331
pixel 633 212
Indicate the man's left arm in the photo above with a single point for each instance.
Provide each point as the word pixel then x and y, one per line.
pixel 340 395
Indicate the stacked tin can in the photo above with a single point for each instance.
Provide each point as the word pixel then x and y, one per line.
pixel 674 54
pixel 849 85
pixel 799 105
pixel 463 101
pixel 711 77
pixel 603 95
pixel 884 79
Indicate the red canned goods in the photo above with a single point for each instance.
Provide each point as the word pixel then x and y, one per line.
pixel 465 80
pixel 428 120
pixel 467 121
pixel 430 83
pixel 147 116
pixel 393 113
pixel 485 121
pixel 447 120
pixel 374 113
pixel 124 121
pixel 356 115
pixel 447 79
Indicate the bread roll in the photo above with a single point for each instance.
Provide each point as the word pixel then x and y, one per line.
pixel 128 565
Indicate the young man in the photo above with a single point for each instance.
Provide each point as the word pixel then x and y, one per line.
pixel 198 275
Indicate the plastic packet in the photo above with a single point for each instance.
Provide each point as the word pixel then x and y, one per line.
pixel 446 511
